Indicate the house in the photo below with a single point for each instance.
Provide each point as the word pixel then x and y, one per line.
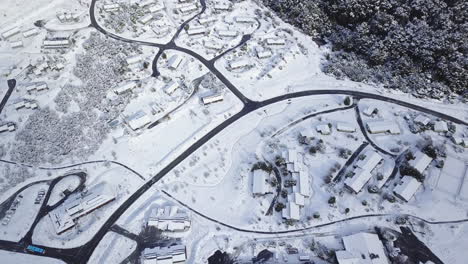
pixel 212 99
pixel 10 32
pixel 9 127
pixel 323 129
pixel 169 218
pixel 164 255
pixel 56 43
pixel 303 183
pixel 25 104
pixel 365 247
pixel 227 33
pixel 297 198
pixel 16 44
pixel 440 126
pixel 174 62
pixel 291 211
pixel 376 127
pixel 138 120
pixel 156 8
pixel 212 45
pixel 171 87
pixel 420 161
pixel 146 18
pixel 263 53
pixel 144 3
pixel 206 20
pixel 222 7
pixel 370 110
pixel 196 30
pixel 275 41
pixel 345 127
pixel 80 204
pixel 111 7
pixel 133 59
pixel 259 184
pixel 125 88
pixel 186 9
pixel 245 19
pixel 363 171
pixel 406 188
pixel 422 120
pixel 239 64
pixel 30 32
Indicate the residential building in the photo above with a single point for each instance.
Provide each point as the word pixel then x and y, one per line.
pixel 245 19
pixel 10 32
pixel 165 255
pixel 196 30
pixel 174 62
pixel 125 88
pixel 206 20
pixel 156 8
pixel 56 43
pixel 146 18
pixel 291 211
pixel 64 217
pixel 376 127
pixel 144 3
pixel 169 218
pixel 239 64
pixel 345 127
pixel 222 7
pixel 422 120
pixel 275 41
pixel 323 129
pixel 363 171
pixel 263 53
pixel 138 120
pixel 406 188
pixel 370 110
pixel 30 32
pixel 16 44
pixel 212 45
pixel 212 99
pixel 9 127
pixel 227 33
pixel 111 7
pixel 133 59
pixel 259 182
pixel 366 247
pixel 171 87
pixel 420 161
pixel 186 9
pixel 440 126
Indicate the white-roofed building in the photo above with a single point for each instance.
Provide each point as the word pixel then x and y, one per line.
pixel 420 161
pixel 171 87
pixel 259 183
pixel 174 62
pixel 111 7
pixel 440 126
pixel 144 3
pixel 156 8
pixel 297 198
pixel 169 218
pixel 138 120
pixel 323 129
pixel 227 33
pixel 275 41
pixel 291 211
pixel 407 187
pixel 263 53
pixel 245 19
pixel 164 255
pixel 58 43
pixel 30 32
pixel 10 32
pixel 222 7
pixel 125 88
pixel 212 99
pixel 186 9
pixel 206 20
pixel 365 245
pixel 363 171
pixel 78 205
pixel 9 127
pixel 346 257
pixel 345 127
pixel 376 127
pixel 16 44
pixel 239 64
pixel 212 45
pixel 146 18
pixel 196 30
pixel 303 182
pixel 370 110
pixel 133 59
pixel 423 120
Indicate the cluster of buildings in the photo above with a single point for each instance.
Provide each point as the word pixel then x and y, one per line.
pixel 8 127
pixel 301 190
pixel 362 248
pixel 11 32
pixel 36 87
pixel 363 171
pixel 64 217
pixel 169 218
pixel 68 17
pixel 40 66
pixel 165 255
pixel 26 104
pixel 138 120
pixel 326 129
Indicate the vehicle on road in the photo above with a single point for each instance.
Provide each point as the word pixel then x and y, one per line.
pixel 36 249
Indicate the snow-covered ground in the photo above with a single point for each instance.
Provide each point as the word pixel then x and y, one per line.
pixel 14 258
pixel 113 248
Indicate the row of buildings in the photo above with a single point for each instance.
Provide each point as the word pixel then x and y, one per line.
pixel 169 218
pixel 173 254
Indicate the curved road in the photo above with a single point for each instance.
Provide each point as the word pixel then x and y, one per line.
pixel 83 253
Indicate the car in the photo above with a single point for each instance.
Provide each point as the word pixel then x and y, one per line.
pixel 42 192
